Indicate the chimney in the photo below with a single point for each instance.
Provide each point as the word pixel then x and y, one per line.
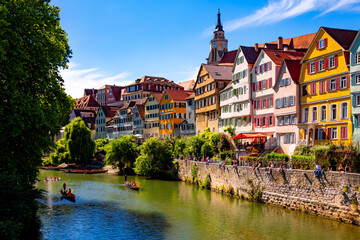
pixel 280 43
pixel 256 47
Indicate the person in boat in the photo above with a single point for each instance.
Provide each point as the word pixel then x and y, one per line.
pixel 125 177
pixel 64 186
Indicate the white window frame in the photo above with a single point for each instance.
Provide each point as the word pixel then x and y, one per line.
pixel 305 118
pixel 332 83
pixel 320 134
pixel 312 67
pixel 321 43
pixel 334 133
pixel 321 113
pixel 331 111
pixel 321 65
pixel 357 100
pixel 342 82
pixel 342 110
pixel 357 58
pixel 280 121
pixel 357 79
pixel 331 62
pixel 312 114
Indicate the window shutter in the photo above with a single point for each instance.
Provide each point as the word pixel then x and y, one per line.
pixel 317 45
pixel 316 66
pixel 277 103
pixel 270 82
pixel 337 83
pixel 260 103
pixel 308 68
pixel 260 122
pixel 269 65
pixel 259 84
pixel 328 85
pixel 254 89
pixel 326 63
pixel 347 81
pixel 325 42
pixel 329 133
pixel 316 133
pixel 266 83
pixel 352 80
pixel 255 70
pixel 324 133
pixel 311 88
pixel 254 122
pixel 267 121
pixel 345 132
pixel 314 88
pixel 353 59
pixel 354 100
pixel 356 121
pixel 336 60
pixel 254 104
pixel 267 103
pixel 321 87
pixel 265 67
pixel 289 101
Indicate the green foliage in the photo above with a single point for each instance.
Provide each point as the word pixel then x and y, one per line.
pixel 277 156
pixel 224 144
pixel 230 130
pixel 33 102
pixel 194 145
pixel 206 183
pixel 100 145
pixel 303 162
pixel 78 141
pixel 214 142
pixel 255 192
pixel 180 148
pixel 345 188
pixel 303 150
pixel 155 159
pixel 61 154
pixel 194 172
pixel 206 134
pixel 206 150
pixel 122 153
pixel 17 209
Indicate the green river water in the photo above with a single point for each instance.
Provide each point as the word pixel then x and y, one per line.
pixel 105 209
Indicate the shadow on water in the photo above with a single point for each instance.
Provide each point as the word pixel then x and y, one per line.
pixel 98 220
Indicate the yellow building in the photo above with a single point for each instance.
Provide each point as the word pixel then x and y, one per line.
pixel 325 100
pixel 151 126
pixel 172 112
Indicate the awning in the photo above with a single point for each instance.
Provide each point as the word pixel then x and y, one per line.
pixel 250 135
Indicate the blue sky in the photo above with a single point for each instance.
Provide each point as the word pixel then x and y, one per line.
pixel 116 41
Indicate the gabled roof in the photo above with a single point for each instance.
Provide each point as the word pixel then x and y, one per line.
pixel 277 56
pixel 90 91
pixel 343 37
pixel 188 85
pixel 87 101
pixel 355 39
pixel 157 96
pixel 116 90
pixel 177 95
pixel 300 42
pixel 294 68
pixel 250 54
pixel 141 110
pixel 229 57
pixel 218 72
pixel 109 111
pixel 191 96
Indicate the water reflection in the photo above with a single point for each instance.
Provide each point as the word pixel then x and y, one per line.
pixel 105 209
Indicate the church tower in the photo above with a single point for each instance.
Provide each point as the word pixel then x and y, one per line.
pixel 218 45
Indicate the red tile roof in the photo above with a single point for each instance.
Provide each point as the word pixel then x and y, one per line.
pixel 188 85
pixel 191 96
pixel 294 68
pixel 141 110
pixel 157 96
pixel 300 42
pixel 229 57
pixel 277 56
pixel 87 101
pixel 109 111
pixel 177 95
pixel 343 37
pixel 90 91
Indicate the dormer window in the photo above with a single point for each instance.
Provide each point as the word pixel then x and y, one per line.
pixel 321 43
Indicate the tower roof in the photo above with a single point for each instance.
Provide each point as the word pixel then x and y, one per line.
pixel 218 26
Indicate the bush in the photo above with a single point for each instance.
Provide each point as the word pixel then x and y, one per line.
pixel 206 150
pixel 277 156
pixel 194 172
pixel 303 150
pixel 194 145
pixel 303 162
pixel 206 183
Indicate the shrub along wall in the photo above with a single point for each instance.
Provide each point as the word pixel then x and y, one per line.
pixel 335 195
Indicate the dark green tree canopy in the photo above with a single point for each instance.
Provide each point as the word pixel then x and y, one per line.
pixel 33 47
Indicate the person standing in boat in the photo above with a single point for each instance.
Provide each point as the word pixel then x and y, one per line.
pixel 125 177
pixel 64 186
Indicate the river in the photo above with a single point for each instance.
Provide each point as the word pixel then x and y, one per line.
pixel 105 209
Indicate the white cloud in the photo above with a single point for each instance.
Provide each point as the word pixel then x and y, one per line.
pixel 77 79
pixel 189 73
pixel 279 10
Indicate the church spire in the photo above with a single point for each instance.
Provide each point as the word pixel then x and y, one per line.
pixel 218 26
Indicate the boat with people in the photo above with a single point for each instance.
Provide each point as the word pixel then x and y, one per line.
pixel 132 185
pixel 69 195
pixel 49 179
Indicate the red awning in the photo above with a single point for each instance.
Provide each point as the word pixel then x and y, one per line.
pixel 249 135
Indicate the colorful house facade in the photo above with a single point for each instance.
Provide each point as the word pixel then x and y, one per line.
pixel 325 89
pixel 188 126
pixel 104 115
pixel 355 87
pixel 172 112
pixel 151 125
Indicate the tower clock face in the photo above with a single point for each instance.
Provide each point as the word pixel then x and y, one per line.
pixel 213 45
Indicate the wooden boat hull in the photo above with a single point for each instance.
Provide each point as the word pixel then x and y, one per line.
pixel 128 185
pixel 70 197
pixel 86 171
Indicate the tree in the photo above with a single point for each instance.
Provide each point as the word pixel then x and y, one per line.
pixel 180 147
pixel 33 47
pixel 100 145
pixel 78 141
pixel 61 154
pixel 214 142
pixel 193 145
pixel 155 159
pixel 206 150
pixel 122 153
pixel 224 144
pixel 230 130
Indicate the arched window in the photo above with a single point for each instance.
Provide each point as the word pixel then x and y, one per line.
pixel 333 112
pixel 314 114
pixel 344 110
pixel 323 113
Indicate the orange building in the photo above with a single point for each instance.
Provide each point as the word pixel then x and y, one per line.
pixel 172 112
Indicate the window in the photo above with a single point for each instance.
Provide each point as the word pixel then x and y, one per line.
pixel 263 121
pixel 314 114
pixel 270 121
pixel 344 110
pixel 357 100
pixel 343 82
pixel 286 120
pixel 166 97
pixel 168 126
pixel 321 134
pixel 280 121
pixel 332 62
pixel 357 78
pixel 333 111
pixel 343 133
pixel 334 133
pixel 293 119
pixel 306 115
pixel 312 67
pixel 321 43
pixel 304 90
pixel 321 65
pixel 323 113
pixel 332 84
pixel 357 58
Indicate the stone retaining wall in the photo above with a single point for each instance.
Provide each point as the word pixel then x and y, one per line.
pixel 293 189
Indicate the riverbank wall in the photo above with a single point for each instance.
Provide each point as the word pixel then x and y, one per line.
pixel 334 195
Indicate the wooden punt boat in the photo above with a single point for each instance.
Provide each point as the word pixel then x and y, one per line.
pixel 68 196
pixel 87 171
pixel 134 186
pixel 50 168
pixel 93 171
